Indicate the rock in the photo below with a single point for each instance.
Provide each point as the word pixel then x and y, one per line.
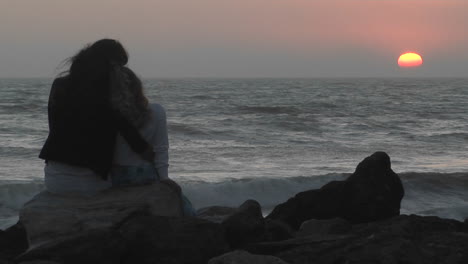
pixel 39 262
pixel 246 225
pixel 97 246
pixel 401 239
pixel 156 239
pixel 324 203
pixel 277 230
pixel 316 227
pixel 13 241
pixel 48 217
pixel 243 257
pixel 373 192
pixel 215 214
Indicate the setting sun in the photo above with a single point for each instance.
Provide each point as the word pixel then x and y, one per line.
pixel 410 59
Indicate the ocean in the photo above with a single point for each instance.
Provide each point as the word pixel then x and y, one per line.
pixel 267 139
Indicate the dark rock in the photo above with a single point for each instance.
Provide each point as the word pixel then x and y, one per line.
pixel 13 241
pixel 155 239
pixel 215 214
pixel 324 227
pixel 95 246
pixel 39 262
pixel 6 261
pixel 244 257
pixel 324 203
pixel 402 239
pixel 247 225
pixel 277 230
pixel 373 192
pixel 48 217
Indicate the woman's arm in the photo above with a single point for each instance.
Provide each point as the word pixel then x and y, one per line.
pixel 118 81
pixel 133 137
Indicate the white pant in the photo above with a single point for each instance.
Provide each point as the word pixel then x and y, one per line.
pixel 61 178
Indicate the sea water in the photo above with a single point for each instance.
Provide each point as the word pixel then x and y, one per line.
pixel 267 139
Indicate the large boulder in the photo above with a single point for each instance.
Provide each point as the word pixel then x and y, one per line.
pixel 156 239
pixel 49 217
pixel 401 239
pixel 372 192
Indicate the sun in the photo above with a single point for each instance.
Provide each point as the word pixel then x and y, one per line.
pixel 410 59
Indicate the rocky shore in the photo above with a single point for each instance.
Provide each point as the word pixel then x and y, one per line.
pixel 352 221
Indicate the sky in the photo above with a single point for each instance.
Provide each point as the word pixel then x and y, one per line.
pixel 240 38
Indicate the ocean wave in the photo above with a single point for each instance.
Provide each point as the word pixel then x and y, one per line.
pixel 449 135
pixel 440 194
pixel 186 129
pixel 202 97
pixel 270 109
pixel 267 191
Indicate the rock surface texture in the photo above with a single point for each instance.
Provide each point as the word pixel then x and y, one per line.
pixel 155 239
pixel 401 239
pixel 373 192
pixel 244 257
pixel 48 217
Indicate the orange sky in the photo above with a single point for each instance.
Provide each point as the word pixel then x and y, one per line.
pixel 242 38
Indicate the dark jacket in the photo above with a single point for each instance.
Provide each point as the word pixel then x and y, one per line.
pixel 83 128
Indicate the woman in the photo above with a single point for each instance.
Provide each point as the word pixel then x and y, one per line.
pixel 129 168
pixel 82 125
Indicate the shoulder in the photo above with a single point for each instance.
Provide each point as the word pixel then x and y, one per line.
pixel 157 110
pixel 60 82
pixel 58 90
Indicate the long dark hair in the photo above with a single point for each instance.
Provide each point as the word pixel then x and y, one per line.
pixel 127 96
pixel 93 63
